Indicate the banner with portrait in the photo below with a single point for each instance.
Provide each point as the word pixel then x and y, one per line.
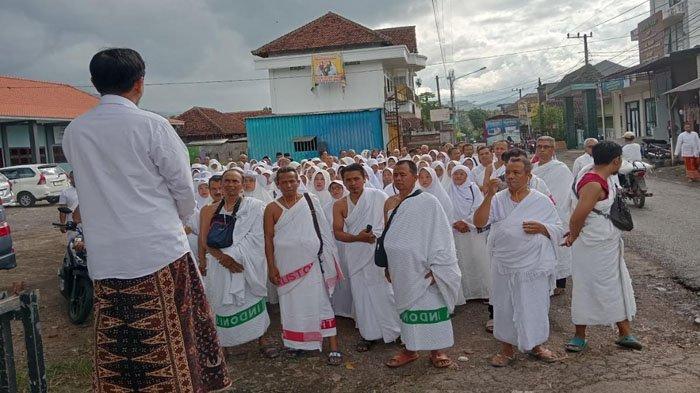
pixel 327 69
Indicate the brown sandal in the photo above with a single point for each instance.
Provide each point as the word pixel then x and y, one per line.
pixel 441 361
pixel 401 359
pixel 500 360
pixel 545 355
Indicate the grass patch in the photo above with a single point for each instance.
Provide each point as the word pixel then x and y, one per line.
pixel 70 375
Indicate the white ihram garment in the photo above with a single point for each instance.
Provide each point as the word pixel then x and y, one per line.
pixel 559 179
pixel 342 296
pixel 602 291
pixel 523 268
pixel 304 290
pixel 472 251
pixel 238 299
pixel 419 241
pixel 583 160
pixel 373 296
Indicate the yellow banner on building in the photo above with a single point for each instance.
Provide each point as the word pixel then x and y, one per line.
pixel 327 69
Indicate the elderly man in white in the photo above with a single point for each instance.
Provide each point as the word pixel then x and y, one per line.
pixel 525 230
pixel 585 158
pixel 558 179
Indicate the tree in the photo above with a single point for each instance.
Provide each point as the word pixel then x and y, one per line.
pixel 552 121
pixel 426 104
pixel 477 117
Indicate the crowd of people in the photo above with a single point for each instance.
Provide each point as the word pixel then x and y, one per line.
pixel 473 224
pixel 395 240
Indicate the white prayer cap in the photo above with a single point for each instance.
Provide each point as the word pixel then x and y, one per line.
pixel 426 157
pixel 304 161
pixel 322 165
pixel 294 165
pixel 347 161
pixel 316 160
pixel 372 162
pixel 381 160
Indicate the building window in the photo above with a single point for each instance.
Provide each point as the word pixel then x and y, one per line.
pixel 650 116
pixel 21 156
pixel 58 155
pixel 389 85
pixel 305 144
pixel 632 116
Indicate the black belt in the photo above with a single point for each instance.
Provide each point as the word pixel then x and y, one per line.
pixel 484 229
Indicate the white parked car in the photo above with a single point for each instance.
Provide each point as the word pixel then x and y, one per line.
pixel 6 196
pixel 36 182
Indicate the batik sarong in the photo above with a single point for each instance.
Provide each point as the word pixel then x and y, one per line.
pixel 156 334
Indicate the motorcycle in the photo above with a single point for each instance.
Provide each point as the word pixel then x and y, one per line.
pixel 656 149
pixel 632 181
pixel 74 282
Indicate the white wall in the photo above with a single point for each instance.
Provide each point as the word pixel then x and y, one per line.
pixel 290 90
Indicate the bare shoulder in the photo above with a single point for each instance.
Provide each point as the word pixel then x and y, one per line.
pixel 273 210
pixel 391 203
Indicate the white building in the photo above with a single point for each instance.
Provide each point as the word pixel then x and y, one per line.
pixel 380 68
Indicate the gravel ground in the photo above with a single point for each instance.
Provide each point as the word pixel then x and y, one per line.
pixel 670 361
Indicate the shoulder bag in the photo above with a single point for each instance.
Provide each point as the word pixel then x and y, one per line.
pixel 221 229
pixel 380 257
pixel 619 215
pixel 316 228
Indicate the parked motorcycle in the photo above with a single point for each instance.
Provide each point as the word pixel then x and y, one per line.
pixel 656 149
pixel 634 186
pixel 74 282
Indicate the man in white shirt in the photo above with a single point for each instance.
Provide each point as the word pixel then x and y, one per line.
pixel 135 187
pixel 586 158
pixel 69 199
pixel 631 151
pixel 688 147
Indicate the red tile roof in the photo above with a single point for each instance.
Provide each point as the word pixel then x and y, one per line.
pixel 209 123
pixel 33 99
pixel 331 32
pixel 404 35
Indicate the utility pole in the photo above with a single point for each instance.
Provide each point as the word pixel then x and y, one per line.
pixel 437 82
pixel 585 42
pixel 451 79
pixel 520 92
pixel 540 94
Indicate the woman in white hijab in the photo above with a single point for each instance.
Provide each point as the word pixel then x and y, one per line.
pixel 447 179
pixel 428 181
pixel 469 163
pixel 318 185
pixel 215 166
pixel 254 187
pixel 439 168
pixel 202 197
pixel 342 295
pixel 470 242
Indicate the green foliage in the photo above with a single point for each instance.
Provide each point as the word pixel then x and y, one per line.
pixel 426 104
pixel 552 118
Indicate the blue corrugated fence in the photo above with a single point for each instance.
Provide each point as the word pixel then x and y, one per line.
pixel 340 130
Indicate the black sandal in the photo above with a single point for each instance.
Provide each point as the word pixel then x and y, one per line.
pixel 294 353
pixel 335 358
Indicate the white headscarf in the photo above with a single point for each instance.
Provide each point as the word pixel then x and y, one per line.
pixel 444 172
pixel 324 196
pixel 436 189
pixel 447 179
pixel 462 197
pixel 391 170
pixel 260 183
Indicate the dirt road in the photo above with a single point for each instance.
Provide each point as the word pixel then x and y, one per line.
pixel 670 361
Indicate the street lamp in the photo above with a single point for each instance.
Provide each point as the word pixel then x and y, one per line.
pixel 451 78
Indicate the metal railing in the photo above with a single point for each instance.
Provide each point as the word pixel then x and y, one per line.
pixel 24 308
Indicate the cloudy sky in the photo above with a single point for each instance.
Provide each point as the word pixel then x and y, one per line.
pixel 184 40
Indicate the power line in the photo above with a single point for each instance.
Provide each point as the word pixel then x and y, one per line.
pixel 437 28
pixel 616 16
pixel 595 12
pixel 524 51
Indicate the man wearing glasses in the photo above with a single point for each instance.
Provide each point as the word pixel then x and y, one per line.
pixel 558 178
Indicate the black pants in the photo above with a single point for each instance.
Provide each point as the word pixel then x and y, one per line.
pixel 561 283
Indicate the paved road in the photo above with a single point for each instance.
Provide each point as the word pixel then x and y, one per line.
pixel 666 229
